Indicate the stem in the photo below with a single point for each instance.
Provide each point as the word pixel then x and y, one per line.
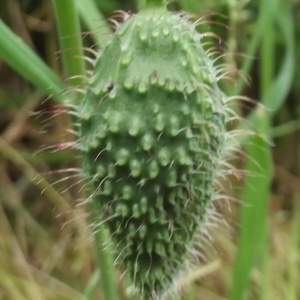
pixel 266 289
pixel 72 53
pixel 104 254
pixel 267 53
pixel 151 3
pixel 266 78
pixel 70 40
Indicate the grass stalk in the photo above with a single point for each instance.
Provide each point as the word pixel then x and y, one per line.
pixel 254 211
pixel 267 54
pixel 275 97
pixel 285 129
pixel 104 255
pixel 258 34
pixel 70 40
pixel 256 188
pixel 266 289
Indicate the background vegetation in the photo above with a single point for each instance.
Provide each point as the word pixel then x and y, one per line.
pixel 46 249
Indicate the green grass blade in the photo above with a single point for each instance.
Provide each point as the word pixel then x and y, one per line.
pixel 256 189
pixel 21 58
pixel 254 211
pixel 285 129
pixel 94 21
pixel 276 96
pixel 70 40
pixel 267 53
pixel 258 34
pixel 267 67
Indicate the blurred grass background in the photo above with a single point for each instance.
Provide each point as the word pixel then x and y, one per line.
pixel 46 250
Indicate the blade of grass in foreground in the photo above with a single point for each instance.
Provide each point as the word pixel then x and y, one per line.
pixel 256 189
pixel 253 214
pixel 21 58
pixel 267 67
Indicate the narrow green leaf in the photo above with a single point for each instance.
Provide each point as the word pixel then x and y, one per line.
pixel 285 129
pixel 283 83
pixel 253 213
pixel 256 189
pixel 258 34
pixel 21 58
pixel 266 67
